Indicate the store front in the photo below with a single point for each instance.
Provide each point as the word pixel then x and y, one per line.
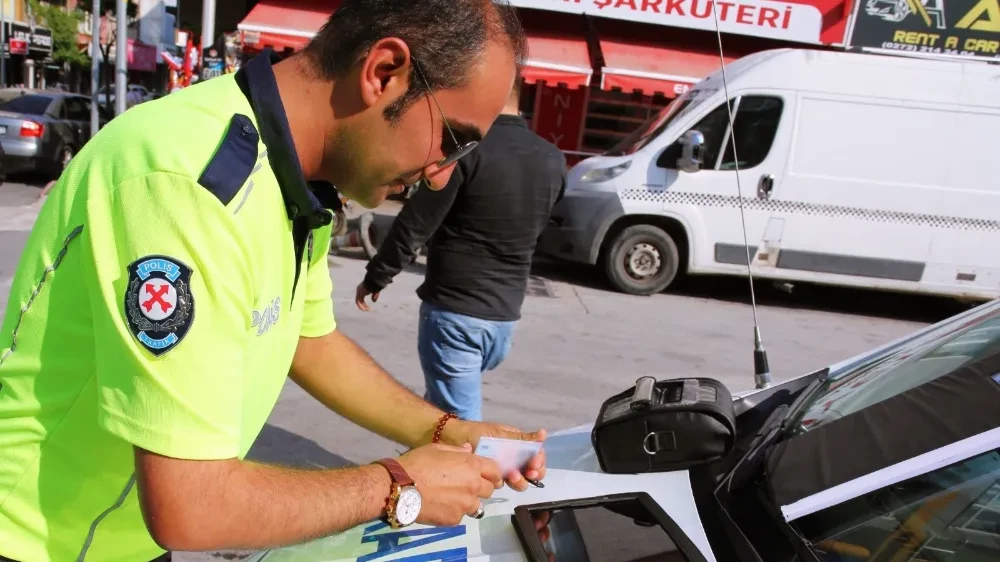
pixel 28 51
pixel 285 26
pixel 642 55
pixel 597 69
pixel 142 64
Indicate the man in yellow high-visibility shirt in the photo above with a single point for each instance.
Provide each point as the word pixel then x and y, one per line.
pixel 177 275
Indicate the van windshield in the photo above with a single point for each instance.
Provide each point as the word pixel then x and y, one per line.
pixel 656 124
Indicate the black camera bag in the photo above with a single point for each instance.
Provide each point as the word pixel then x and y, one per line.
pixel 659 426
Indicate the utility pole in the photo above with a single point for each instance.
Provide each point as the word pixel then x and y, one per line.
pixel 95 65
pixel 121 57
pixel 207 25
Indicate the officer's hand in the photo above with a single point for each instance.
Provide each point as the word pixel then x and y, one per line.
pixel 452 481
pixel 461 431
pixel 359 296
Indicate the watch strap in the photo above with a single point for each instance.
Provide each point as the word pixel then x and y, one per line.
pixel 396 472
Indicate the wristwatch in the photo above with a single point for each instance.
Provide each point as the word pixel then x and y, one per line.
pixel 403 504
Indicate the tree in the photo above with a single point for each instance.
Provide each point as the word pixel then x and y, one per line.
pixel 64 25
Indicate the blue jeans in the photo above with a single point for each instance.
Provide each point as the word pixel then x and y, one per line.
pixel 455 350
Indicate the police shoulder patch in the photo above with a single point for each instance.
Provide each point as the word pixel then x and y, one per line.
pixel 159 306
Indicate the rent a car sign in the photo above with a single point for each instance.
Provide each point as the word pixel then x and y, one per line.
pixel 761 18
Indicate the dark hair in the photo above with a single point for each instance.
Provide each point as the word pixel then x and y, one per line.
pixel 446 37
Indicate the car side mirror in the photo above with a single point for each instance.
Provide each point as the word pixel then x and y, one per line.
pixel 692 151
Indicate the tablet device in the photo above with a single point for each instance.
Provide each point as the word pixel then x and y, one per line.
pixel 628 527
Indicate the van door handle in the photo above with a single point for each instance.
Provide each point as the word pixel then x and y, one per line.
pixel 764 186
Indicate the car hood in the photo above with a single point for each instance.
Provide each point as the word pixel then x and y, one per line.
pixel 573 472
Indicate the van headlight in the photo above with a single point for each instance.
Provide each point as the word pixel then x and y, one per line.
pixel 605 174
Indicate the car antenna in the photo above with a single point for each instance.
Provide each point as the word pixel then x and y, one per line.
pixel 762 372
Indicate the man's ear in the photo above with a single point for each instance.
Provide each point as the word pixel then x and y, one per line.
pixel 385 71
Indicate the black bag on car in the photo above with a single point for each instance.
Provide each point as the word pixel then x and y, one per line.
pixel 659 426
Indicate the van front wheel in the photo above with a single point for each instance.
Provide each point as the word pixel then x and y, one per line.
pixel 642 260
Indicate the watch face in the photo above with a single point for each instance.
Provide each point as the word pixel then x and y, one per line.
pixel 408 506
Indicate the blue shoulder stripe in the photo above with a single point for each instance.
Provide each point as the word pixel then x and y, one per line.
pixel 233 162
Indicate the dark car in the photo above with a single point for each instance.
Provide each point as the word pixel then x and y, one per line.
pixel 41 130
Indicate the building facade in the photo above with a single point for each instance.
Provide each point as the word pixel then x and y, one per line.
pixel 598 69
pixel 27 45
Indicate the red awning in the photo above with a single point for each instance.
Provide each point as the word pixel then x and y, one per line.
pixel 652 59
pixel 556 58
pixel 282 24
pixel 557 49
pixel 654 69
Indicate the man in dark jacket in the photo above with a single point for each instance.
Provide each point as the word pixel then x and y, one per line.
pixel 482 228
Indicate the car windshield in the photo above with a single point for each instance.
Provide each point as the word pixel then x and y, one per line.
pixel 656 124
pixel 837 437
pixel 931 356
pixel 28 105
pixel 947 515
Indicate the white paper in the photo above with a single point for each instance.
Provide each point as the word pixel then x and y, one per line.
pixel 510 454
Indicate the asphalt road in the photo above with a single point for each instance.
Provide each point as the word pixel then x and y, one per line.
pixel 577 344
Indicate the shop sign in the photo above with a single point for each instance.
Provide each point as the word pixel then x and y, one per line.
pixel 773 19
pixel 37 38
pixel 212 63
pixel 17 47
pixel 965 28
pixel 141 56
pixel 559 115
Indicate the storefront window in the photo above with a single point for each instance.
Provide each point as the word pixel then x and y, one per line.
pixel 613 116
pixel 651 128
pixel 654 124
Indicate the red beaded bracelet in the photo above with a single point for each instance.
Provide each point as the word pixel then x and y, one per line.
pixel 440 426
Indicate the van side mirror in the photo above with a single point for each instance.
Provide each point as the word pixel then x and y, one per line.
pixel 692 151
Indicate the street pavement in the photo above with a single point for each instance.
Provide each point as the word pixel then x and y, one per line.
pixel 19 204
pixel 578 343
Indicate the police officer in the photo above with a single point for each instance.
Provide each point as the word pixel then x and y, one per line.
pixel 177 274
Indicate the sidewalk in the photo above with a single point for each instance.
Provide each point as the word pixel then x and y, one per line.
pixel 19 217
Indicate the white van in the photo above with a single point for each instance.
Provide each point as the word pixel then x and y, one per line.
pixel 855 169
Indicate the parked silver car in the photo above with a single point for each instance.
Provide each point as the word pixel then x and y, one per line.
pixel 135 94
pixel 41 130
